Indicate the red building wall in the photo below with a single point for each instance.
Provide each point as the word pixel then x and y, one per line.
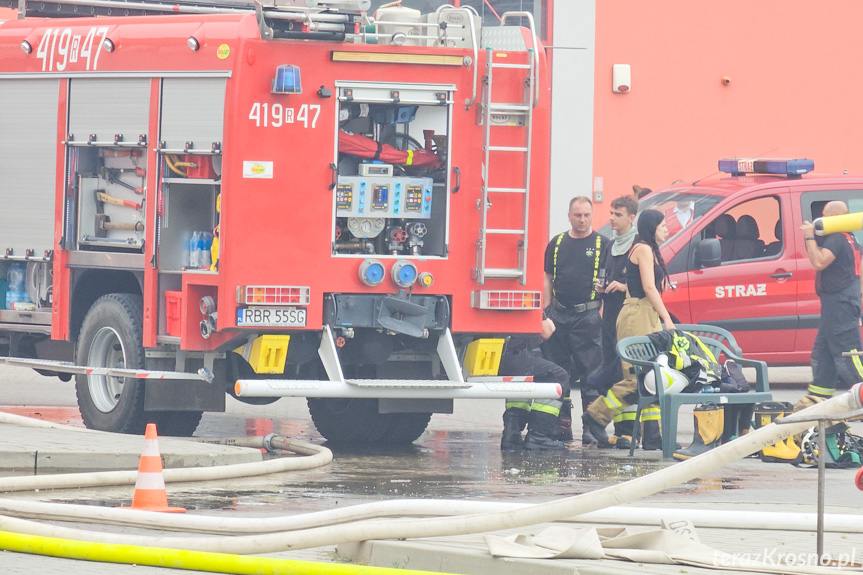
pixel 796 87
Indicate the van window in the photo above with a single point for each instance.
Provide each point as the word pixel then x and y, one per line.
pixel 682 207
pixel 812 204
pixel 751 230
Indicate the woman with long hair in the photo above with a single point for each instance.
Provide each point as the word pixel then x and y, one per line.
pixel 643 313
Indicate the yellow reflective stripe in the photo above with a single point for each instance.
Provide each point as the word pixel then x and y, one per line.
pixel 625 416
pixel 410 158
pixel 650 414
pixel 612 402
pixel 550 409
pixel 858 365
pixel 518 405
pixel 554 266
pixel 595 266
pixel 823 391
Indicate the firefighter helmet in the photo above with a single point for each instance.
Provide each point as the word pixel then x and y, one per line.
pixel 673 381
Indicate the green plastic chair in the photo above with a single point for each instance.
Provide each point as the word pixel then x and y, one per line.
pixel 640 352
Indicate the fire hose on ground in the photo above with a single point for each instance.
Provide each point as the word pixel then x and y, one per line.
pixel 314 456
pixel 368 529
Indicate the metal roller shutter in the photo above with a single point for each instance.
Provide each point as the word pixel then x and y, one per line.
pixel 193 110
pixel 109 106
pixel 28 160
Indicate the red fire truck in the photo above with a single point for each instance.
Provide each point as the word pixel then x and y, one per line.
pixel 290 198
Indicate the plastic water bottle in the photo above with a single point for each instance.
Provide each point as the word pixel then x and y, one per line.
pixel 708 389
pixel 195 250
pixel 206 259
pixel 15 290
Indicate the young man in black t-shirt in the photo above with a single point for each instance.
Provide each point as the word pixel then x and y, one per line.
pixel 571 301
pixel 836 259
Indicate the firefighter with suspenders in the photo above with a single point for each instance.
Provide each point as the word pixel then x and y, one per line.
pixel 572 261
pixel 836 259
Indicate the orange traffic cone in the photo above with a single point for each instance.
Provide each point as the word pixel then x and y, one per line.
pixel 150 494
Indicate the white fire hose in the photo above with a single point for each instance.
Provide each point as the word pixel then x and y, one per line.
pixel 472 523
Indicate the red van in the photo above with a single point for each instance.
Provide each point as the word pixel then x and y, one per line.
pixel 736 253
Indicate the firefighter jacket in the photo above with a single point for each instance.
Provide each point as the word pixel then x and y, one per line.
pixel 689 355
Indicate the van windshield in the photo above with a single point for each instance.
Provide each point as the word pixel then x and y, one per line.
pixel 681 208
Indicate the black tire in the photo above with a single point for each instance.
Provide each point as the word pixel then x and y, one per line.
pixel 349 420
pixel 111 336
pixel 177 423
pixel 406 427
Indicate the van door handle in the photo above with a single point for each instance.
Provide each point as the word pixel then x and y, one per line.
pixel 782 275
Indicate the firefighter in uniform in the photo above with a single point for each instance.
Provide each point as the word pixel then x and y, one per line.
pixel 571 271
pixel 613 290
pixel 643 313
pixel 522 356
pixel 836 259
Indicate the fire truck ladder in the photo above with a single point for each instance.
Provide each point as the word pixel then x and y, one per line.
pixel 522 111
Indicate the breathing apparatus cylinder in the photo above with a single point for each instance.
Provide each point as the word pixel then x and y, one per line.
pixel 833 224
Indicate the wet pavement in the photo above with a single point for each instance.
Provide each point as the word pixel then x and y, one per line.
pixel 457 458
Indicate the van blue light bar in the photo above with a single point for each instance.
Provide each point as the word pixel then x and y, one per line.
pixel 741 166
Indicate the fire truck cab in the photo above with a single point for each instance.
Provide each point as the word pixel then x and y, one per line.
pixel 737 257
pixel 293 198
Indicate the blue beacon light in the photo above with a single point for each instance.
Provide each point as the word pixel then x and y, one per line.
pixel 287 80
pixel 779 166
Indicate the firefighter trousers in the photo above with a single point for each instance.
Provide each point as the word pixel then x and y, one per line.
pixel 636 318
pixel 526 362
pixel 576 346
pixel 832 370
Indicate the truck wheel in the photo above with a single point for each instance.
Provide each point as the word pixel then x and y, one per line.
pixel 177 423
pixel 349 420
pixel 111 336
pixel 406 427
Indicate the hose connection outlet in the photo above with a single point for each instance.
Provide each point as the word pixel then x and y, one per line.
pixel 404 273
pixel 207 305
pixel 372 272
pixel 208 325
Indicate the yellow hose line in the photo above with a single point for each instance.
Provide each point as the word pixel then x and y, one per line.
pixel 180 559
pixel 173 165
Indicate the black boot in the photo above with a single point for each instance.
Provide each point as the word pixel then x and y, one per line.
pixel 651 437
pixel 709 422
pixel 738 419
pixel 513 423
pixel 587 437
pixel 563 426
pixel 622 438
pixel 596 430
pixel 540 432
pixel 587 396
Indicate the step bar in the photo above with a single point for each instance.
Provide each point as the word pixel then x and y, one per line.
pixel 455 387
pixel 499 388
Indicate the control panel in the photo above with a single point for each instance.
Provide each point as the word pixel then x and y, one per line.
pixel 384 197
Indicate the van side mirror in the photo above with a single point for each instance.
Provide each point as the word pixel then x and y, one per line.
pixel 710 252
